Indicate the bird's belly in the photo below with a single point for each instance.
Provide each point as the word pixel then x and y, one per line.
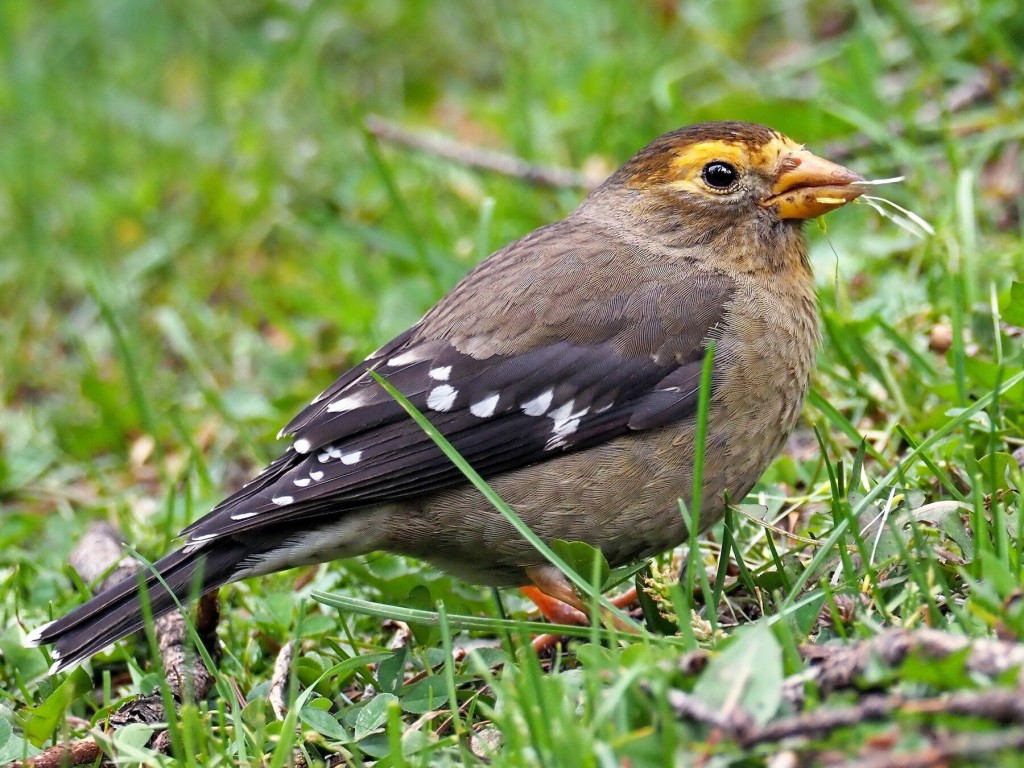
pixel 622 497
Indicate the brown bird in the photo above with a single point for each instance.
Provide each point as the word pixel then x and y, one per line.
pixel 565 368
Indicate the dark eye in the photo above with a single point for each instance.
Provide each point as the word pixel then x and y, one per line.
pixel 719 175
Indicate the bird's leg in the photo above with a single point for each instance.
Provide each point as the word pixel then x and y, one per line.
pixel 555 611
pixel 559 602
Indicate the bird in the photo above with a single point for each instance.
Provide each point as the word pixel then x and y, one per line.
pixel 566 369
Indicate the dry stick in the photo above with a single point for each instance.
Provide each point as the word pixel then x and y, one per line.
pixel 1001 705
pixel 80 752
pixel 839 667
pixel 475 157
pixel 971 746
pixel 98 552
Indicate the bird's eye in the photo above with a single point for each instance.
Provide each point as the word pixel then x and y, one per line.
pixel 719 175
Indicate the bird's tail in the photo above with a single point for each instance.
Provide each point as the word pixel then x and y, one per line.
pixel 117 612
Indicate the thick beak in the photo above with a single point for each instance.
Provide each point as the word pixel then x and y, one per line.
pixel 808 186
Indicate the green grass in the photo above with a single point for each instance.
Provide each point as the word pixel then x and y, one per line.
pixel 198 234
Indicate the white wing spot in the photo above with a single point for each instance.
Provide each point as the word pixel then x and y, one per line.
pixel 561 413
pixel 243 515
pixel 442 398
pixel 441 374
pixel 302 445
pixel 406 358
pixel 317 475
pixel 351 458
pixel 324 457
pixel 485 407
pixel 349 403
pixel 539 405
pixel 302 482
pixel 282 501
pixel 566 422
pixel 334 451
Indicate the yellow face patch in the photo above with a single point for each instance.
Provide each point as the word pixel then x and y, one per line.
pixel 690 161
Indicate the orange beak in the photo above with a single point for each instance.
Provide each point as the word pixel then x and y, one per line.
pixel 808 186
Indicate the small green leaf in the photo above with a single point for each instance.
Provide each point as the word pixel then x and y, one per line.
pixel 374 715
pixel 12 747
pixel 42 720
pixel 391 670
pixel 805 618
pixel 428 694
pixel 1000 470
pixel 998 574
pixel 748 674
pixel 420 597
pixel 947 517
pixel 133 738
pixel 582 557
pixel 1013 312
pixel 323 723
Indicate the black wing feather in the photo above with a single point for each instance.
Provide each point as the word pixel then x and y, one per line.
pixel 592 385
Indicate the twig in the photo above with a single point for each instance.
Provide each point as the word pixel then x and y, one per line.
pixel 971 746
pixel 475 157
pixel 842 667
pixel 839 667
pixel 1000 705
pixel 735 721
pixel 81 752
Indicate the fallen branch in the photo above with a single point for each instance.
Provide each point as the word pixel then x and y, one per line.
pixel 971 746
pixel 475 157
pixel 835 668
pixel 80 752
pixel 1000 705
pixel 839 667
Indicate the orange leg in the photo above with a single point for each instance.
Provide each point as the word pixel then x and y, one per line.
pixel 555 611
pixel 559 603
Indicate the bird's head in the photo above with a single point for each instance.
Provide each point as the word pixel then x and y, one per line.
pixel 710 179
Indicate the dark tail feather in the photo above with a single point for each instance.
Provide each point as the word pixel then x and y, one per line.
pixel 117 612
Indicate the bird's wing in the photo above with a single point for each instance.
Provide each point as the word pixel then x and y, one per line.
pixel 559 389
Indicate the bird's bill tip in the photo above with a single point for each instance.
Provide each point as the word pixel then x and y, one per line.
pixel 808 186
